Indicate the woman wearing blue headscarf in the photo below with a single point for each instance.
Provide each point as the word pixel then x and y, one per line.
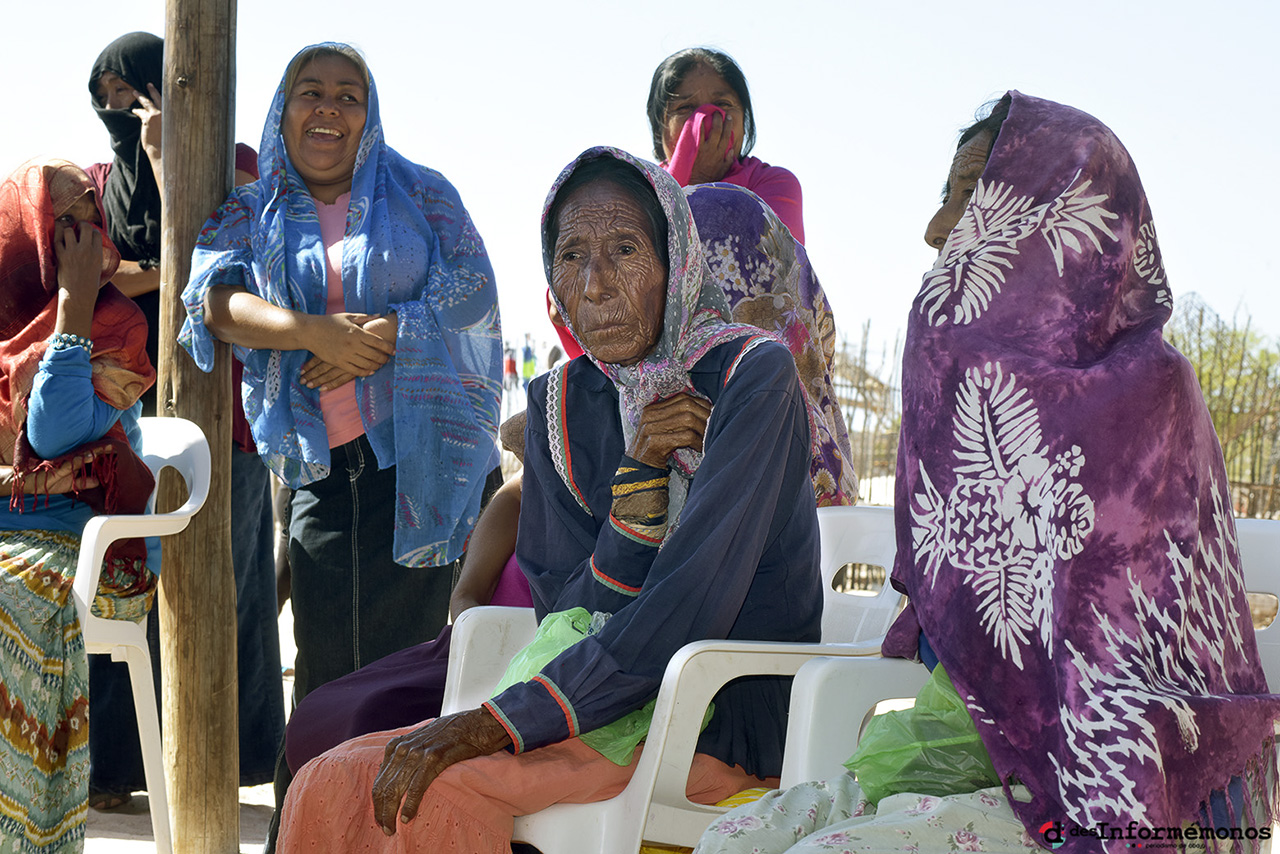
pixel 361 301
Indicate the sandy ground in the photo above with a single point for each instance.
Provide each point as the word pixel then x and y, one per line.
pixel 128 830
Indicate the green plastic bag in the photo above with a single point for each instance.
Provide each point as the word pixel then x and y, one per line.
pixel 557 632
pixel 931 749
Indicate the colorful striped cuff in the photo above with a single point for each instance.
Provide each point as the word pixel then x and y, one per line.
pixel 516 741
pixel 570 716
pixel 645 535
pixel 612 583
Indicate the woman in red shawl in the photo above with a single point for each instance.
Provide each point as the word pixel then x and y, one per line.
pixel 72 367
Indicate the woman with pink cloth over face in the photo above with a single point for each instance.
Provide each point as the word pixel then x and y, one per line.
pixel 703 129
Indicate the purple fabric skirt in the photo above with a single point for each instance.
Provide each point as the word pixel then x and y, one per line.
pixel 398 690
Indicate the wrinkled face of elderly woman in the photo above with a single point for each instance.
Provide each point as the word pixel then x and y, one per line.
pixel 324 115
pixel 607 273
pixel 967 167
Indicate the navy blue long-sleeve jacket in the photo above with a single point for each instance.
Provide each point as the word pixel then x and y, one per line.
pixel 741 564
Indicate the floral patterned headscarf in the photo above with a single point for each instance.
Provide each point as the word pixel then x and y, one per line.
pixel 696 315
pixel 1064 525
pixel 766 275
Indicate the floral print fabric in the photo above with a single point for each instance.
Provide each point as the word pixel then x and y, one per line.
pixel 833 817
pixel 1064 528
pixel 766 275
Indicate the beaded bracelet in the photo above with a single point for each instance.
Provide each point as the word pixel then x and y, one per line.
pixel 65 341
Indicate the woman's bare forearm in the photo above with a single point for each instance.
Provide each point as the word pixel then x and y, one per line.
pixel 491 544
pixel 134 281
pixel 238 317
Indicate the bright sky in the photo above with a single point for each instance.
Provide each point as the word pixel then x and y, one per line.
pixel 861 100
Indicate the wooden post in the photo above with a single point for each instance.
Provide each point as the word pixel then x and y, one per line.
pixel 197 591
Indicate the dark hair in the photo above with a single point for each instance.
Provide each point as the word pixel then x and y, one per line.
pixel 622 175
pixel 995 114
pixel 671 72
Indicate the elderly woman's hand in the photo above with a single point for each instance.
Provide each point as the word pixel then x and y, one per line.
pixel 716 151
pixel 413 761
pixel 668 425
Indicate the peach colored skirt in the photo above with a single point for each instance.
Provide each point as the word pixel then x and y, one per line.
pixel 470 808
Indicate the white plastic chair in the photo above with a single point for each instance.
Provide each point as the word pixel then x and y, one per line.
pixel 166 442
pixel 653 807
pixel 1259 541
pixel 831 697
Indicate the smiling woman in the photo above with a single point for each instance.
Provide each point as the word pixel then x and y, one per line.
pixel 324 114
pixel 365 312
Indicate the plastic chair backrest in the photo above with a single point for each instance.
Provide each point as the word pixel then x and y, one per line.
pixel 1259 541
pixel 860 534
pixel 180 445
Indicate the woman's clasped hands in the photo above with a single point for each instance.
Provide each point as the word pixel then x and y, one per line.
pixel 347 345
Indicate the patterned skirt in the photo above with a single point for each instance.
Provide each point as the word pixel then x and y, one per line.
pixel 44 700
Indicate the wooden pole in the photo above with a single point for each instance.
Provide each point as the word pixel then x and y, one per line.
pixel 197 591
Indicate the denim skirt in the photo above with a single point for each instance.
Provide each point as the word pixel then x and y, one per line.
pixel 352 603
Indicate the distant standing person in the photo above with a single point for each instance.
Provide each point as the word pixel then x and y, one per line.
pixel 530 366
pixel 510 379
pixel 704 129
pixel 124 85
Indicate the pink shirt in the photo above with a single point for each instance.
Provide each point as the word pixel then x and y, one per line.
pixel 341 413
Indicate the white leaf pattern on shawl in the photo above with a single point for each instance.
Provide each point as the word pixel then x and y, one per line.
pixel 970 270
pixel 987 233
pixel 1073 212
pixel 1149 670
pixel 1148 264
pixel 1011 514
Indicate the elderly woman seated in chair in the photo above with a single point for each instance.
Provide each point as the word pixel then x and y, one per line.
pixel 668 492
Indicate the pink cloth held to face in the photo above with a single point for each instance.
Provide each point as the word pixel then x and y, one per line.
pixel 680 164
pixel 777 186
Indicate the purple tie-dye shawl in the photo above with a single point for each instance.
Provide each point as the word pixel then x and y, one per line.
pixel 1064 526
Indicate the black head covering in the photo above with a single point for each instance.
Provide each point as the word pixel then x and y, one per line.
pixel 131 198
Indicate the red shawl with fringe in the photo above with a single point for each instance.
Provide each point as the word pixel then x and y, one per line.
pixel 30 200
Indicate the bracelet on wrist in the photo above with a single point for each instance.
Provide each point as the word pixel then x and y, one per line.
pixel 65 341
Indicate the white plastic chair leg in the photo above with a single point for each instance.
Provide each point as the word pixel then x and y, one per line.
pixel 144 704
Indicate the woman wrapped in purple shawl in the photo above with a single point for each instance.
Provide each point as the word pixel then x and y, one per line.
pixel 1064 528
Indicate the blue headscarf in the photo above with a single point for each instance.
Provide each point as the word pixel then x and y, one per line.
pixel 410 247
